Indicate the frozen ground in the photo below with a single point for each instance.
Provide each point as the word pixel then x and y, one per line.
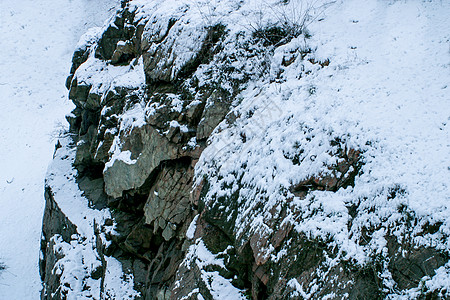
pixel 37 41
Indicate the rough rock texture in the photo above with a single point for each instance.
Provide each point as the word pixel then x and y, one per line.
pixel 135 143
pixel 150 88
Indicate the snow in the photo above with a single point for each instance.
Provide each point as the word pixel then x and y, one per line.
pixel 117 287
pixel 61 178
pixel 37 42
pixel 384 92
pixel 124 156
pixel 78 259
pixel 298 290
pixel 131 118
pixel 175 124
pixel 217 285
pixel 191 229
pixel 102 76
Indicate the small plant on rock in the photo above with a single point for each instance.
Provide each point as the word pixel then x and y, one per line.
pixel 278 24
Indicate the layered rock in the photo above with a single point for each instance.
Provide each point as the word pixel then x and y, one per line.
pixel 152 192
pixel 140 124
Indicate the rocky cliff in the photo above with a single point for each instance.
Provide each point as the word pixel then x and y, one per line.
pixel 191 169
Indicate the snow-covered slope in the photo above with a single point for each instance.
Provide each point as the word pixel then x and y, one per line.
pixel 37 41
pixel 264 149
pixel 384 93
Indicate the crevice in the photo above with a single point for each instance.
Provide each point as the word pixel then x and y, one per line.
pixel 206 53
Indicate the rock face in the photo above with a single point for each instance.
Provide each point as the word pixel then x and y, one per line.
pixel 131 214
pixel 138 129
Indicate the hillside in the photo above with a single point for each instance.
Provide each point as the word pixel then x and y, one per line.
pixel 254 149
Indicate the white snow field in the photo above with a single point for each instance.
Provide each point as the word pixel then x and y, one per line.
pixel 37 39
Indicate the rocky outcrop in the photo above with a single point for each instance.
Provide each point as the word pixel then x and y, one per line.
pixel 138 129
pixel 131 213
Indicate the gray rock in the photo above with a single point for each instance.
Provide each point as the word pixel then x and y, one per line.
pixel 215 111
pixel 149 148
pixel 168 201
